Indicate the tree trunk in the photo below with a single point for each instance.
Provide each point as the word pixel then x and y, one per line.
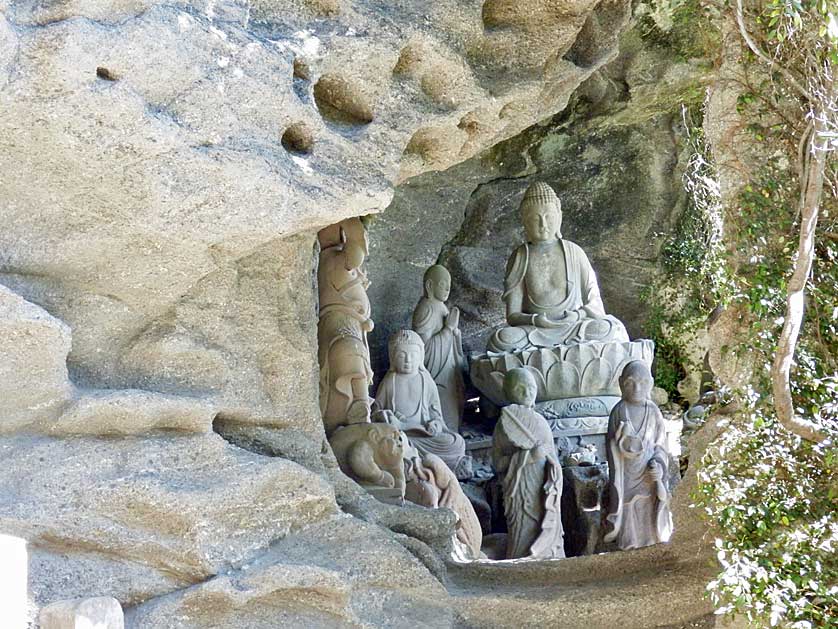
pixel 809 206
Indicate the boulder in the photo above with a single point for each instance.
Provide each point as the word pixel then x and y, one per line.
pixel 34 385
pixel 135 517
pixel 339 573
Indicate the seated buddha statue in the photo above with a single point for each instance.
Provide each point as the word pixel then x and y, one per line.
pixel 550 290
pixel 407 398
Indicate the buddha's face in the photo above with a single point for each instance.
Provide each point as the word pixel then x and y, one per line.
pixel 407 358
pixel 636 385
pixel 439 287
pixel 542 222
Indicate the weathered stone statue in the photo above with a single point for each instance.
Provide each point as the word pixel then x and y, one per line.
pixel 407 398
pixel 343 353
pixel 372 454
pixel 551 292
pixel 432 484
pixel 638 464
pixel 524 454
pixel 439 329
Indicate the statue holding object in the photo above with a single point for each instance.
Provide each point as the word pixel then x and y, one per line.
pixel 525 456
pixel 439 328
pixel 638 464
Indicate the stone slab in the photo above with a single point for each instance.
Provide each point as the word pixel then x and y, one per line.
pixel 14 574
pixel 101 612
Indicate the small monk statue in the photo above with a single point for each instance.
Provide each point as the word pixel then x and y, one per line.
pixel 343 352
pixel 439 329
pixel 524 454
pixel 638 464
pixel 550 290
pixel 407 398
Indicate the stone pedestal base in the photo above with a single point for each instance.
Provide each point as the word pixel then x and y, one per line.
pixel 567 371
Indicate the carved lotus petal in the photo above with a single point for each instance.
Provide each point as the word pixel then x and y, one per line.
pixel 511 361
pixel 540 382
pixel 596 377
pixel 562 381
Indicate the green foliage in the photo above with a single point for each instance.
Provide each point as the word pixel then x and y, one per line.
pixel 682 26
pixel 771 497
pixel 696 278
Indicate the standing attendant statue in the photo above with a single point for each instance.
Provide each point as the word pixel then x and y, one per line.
pixel 638 464
pixel 345 319
pixel 407 398
pixel 439 329
pixel 525 456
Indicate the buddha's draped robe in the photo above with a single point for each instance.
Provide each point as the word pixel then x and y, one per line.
pixel 638 510
pixel 443 357
pixel 532 485
pixel 447 445
pixel 588 321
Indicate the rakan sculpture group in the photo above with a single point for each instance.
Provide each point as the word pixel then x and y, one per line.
pixel 561 381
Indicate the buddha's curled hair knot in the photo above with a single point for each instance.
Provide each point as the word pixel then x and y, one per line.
pixel 539 193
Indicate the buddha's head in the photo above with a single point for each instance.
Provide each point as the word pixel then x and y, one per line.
pixel 437 282
pixel 636 382
pixel 407 352
pixel 541 213
pixel 520 387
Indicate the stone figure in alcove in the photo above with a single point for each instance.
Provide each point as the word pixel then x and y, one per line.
pixel 343 352
pixel 439 328
pixel 638 463
pixel 525 457
pixel 550 290
pixel 432 484
pixel 407 398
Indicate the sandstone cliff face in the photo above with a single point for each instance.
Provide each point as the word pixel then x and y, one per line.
pixel 150 203
pixel 157 258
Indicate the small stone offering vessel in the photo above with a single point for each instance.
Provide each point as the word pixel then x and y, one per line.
pixel 525 456
pixel 638 463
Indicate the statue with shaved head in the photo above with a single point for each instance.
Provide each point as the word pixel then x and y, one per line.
pixel 638 464
pixel 439 328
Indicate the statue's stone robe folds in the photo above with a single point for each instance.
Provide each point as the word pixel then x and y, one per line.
pixel 586 320
pixel 532 484
pixel 638 510
pixel 444 357
pixel 448 446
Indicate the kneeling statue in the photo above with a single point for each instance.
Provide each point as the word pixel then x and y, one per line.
pixel 551 291
pixel 525 456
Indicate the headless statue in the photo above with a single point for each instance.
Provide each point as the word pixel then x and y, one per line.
pixel 550 290
pixel 444 357
pixel 524 454
pixel 407 398
pixel 638 464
